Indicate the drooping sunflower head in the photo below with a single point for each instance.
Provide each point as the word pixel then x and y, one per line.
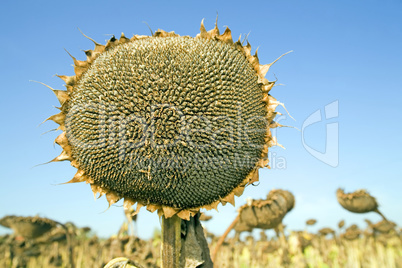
pixel 290 198
pixel 311 222
pixel 351 233
pixel 170 122
pixel 359 201
pixel 265 213
pixel 28 227
pixel 326 231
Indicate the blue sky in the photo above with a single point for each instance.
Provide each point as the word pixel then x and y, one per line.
pixel 344 51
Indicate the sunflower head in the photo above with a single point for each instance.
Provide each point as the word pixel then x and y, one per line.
pixel 384 226
pixel 359 201
pixel 264 213
pixel 326 231
pixel 290 198
pixel 311 222
pixel 170 122
pixel 28 227
pixel 351 233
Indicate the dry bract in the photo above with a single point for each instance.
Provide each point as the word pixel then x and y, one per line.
pixel 170 122
pixel 204 217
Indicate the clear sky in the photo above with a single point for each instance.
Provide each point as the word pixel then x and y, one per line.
pixel 346 67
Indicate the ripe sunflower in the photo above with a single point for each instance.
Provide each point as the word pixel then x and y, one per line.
pixel 170 122
pixel 28 227
pixel 265 213
pixel 359 201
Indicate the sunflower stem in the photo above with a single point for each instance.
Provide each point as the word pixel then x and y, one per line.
pixel 222 238
pixel 171 242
